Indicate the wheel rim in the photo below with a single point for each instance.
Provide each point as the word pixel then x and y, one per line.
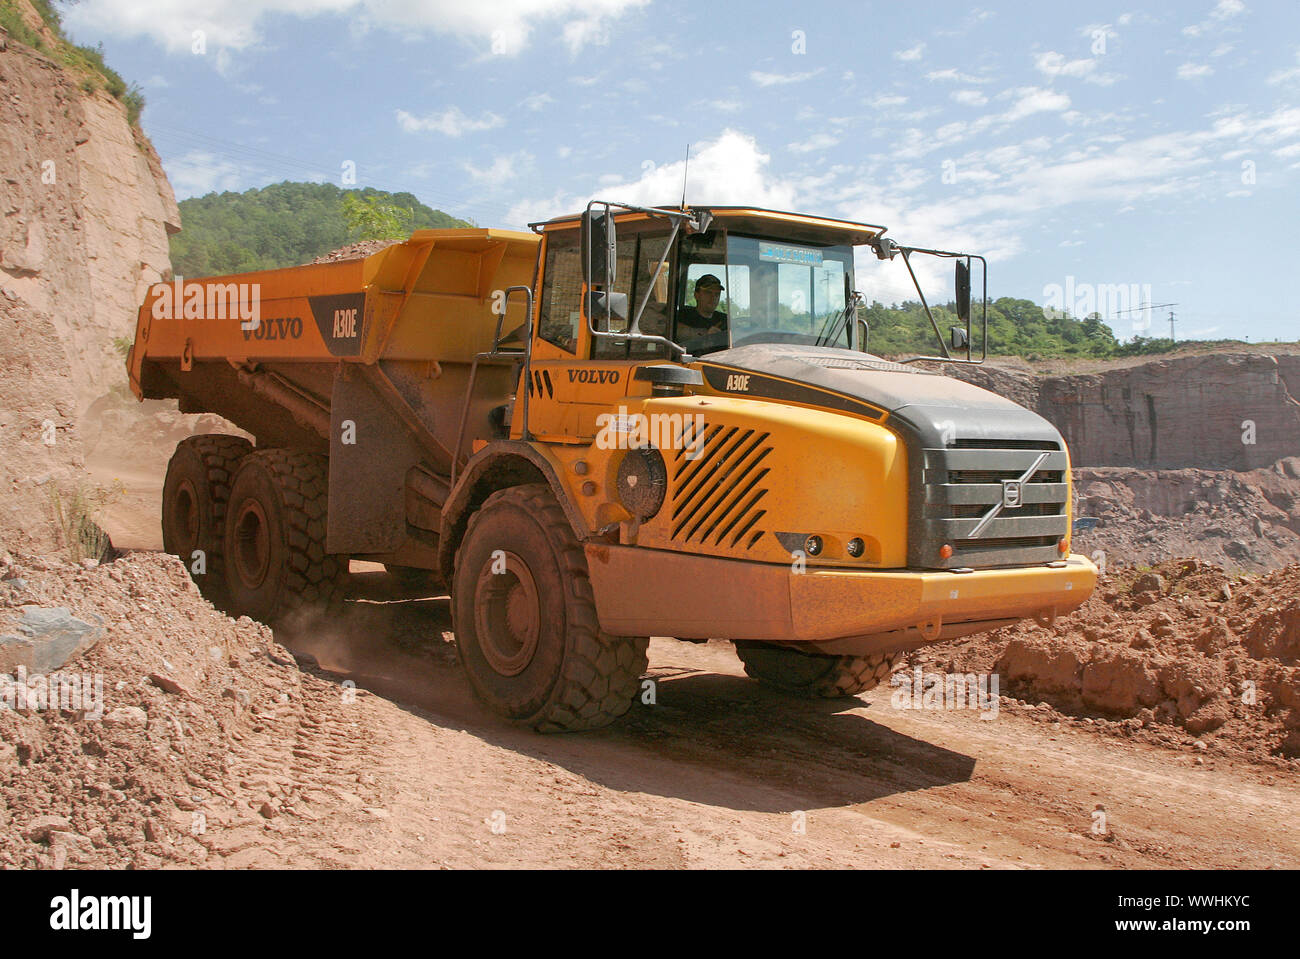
pixel 252 558
pixel 507 614
pixel 187 511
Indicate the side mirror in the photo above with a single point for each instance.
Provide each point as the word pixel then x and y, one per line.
pixel 959 337
pixel 606 308
pixel 963 291
pixel 600 245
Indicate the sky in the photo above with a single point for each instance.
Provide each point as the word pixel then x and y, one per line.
pixel 1101 156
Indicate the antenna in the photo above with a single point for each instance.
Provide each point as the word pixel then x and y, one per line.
pixel 1153 306
pixel 685 170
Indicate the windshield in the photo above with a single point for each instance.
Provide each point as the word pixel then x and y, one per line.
pixel 735 290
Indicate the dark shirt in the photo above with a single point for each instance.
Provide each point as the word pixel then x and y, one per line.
pixel 691 317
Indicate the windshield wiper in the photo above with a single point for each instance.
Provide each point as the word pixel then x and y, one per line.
pixel 845 314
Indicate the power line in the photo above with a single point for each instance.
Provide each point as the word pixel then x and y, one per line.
pixel 1147 307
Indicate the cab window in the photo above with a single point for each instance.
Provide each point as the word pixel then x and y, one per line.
pixel 562 291
pixel 638 257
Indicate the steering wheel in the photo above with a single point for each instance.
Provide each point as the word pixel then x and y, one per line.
pixel 708 344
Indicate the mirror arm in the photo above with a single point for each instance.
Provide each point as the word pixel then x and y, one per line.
pixel 907 261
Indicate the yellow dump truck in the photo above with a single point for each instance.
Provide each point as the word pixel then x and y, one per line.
pixel 632 421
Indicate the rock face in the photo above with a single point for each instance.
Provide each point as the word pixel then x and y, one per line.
pixel 40 445
pixel 1237 411
pixel 86 214
pixel 1230 411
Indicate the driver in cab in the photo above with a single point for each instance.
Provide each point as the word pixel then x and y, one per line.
pixel 703 327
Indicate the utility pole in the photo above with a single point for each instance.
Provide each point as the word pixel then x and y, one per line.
pixel 1146 307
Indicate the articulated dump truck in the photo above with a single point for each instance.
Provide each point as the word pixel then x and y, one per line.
pixel 631 422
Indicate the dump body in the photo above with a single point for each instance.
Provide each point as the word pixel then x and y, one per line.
pixel 348 358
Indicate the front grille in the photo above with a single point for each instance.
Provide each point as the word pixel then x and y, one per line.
pixel 717 496
pixel 964 482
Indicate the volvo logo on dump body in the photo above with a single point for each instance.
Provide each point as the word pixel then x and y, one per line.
pixel 279 328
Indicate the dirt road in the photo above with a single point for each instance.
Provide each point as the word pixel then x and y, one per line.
pixel 720 772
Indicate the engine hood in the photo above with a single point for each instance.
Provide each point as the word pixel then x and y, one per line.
pixel 951 408
pixel 956 434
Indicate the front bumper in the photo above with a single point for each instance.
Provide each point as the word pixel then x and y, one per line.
pixel 649 592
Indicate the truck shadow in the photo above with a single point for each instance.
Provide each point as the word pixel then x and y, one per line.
pixel 707 737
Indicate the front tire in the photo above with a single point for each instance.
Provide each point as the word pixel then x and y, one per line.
pixel 194 501
pixel 812 675
pixel 525 619
pixel 275 537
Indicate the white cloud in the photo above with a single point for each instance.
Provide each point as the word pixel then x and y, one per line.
pixel 818 141
pixel 970 98
pixel 1285 76
pixel 1055 65
pixel 536 101
pixel 503 25
pixel 780 79
pixel 913 53
pixel 1031 100
pixel 952 74
pixel 452 122
pixel 1193 71
pixel 198 173
pixel 729 170
pixel 887 100
pixel 502 170
pixel 1223 11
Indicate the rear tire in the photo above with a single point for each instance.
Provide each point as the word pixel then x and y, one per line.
pixel 275 537
pixel 195 496
pixel 525 619
pixel 813 675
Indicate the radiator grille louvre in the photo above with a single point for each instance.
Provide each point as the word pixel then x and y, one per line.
pixel 717 495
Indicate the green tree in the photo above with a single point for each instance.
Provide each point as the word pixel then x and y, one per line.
pixel 370 218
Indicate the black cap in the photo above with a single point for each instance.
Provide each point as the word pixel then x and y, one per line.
pixel 708 279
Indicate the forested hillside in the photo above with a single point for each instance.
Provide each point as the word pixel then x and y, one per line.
pixel 1016 328
pixel 279 225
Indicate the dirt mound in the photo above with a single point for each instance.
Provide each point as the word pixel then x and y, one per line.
pixel 204 722
pixel 1244 522
pixel 353 251
pixel 1178 653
